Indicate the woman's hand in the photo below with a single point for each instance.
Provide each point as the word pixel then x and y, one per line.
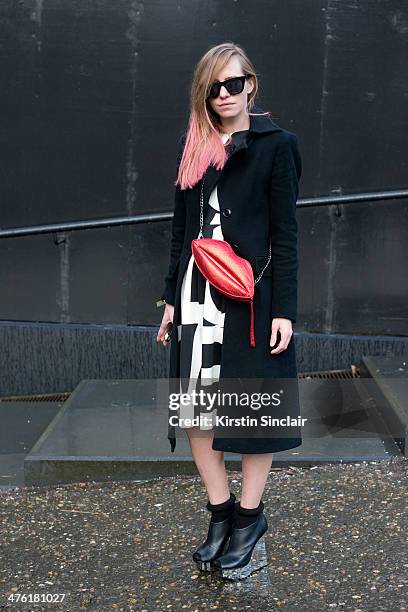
pixel 284 326
pixel 167 318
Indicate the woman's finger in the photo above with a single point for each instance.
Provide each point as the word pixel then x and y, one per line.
pixel 167 318
pixel 161 332
pixel 283 344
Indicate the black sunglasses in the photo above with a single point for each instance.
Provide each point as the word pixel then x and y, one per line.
pixel 234 86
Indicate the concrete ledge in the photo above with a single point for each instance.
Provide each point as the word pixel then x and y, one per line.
pixel 116 429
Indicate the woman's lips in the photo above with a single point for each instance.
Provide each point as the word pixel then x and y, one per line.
pixel 226 104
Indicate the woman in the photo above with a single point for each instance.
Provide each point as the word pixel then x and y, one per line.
pixel 251 168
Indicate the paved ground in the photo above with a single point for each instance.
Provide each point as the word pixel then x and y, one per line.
pixel 337 540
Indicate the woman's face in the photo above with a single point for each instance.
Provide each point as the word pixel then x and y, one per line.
pixel 234 104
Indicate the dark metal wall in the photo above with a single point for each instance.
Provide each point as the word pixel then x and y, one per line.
pixel 54 358
pixel 93 96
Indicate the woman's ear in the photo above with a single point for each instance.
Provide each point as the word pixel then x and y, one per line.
pixel 251 84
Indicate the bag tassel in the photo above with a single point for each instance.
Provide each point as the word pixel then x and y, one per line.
pixel 252 330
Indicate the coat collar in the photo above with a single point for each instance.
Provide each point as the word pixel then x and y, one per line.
pixel 262 123
pixel 258 124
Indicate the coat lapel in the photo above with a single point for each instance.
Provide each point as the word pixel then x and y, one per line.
pixel 259 124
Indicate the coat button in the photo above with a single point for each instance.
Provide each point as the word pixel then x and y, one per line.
pixel 226 212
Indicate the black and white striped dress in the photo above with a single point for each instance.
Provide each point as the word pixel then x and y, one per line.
pixel 200 333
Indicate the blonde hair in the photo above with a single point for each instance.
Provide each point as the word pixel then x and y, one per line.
pixel 203 144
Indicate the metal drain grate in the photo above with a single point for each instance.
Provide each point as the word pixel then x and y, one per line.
pixel 352 372
pixel 43 397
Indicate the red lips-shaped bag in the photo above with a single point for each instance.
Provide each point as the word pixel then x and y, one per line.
pixel 229 273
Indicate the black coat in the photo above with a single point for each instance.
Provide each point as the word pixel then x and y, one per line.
pixel 257 190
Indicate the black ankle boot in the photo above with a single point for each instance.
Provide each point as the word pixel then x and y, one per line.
pixel 218 534
pixel 241 544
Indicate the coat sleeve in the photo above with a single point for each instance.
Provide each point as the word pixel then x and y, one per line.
pixel 177 236
pixel 284 191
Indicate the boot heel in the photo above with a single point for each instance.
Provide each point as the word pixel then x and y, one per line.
pixel 205 566
pixel 258 561
pixel 242 545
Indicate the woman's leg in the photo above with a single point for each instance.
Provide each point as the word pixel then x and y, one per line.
pixel 210 464
pixel 255 471
pixel 250 522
